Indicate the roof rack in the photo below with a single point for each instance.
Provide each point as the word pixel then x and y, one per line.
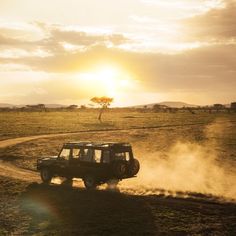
pixel 97 144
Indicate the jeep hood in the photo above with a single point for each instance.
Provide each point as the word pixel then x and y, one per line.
pixel 49 158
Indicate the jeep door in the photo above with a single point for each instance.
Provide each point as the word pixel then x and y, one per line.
pixel 87 162
pixel 61 167
pixel 105 164
pixel 91 164
pixel 100 163
pixel 75 163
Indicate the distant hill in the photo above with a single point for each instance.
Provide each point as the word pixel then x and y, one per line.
pixel 178 104
pixel 166 103
pixel 55 105
pixel 169 104
pixel 6 105
pixel 2 105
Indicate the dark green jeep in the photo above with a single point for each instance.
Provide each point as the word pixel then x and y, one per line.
pixel 95 162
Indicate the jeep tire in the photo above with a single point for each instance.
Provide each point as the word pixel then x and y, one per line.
pixel 46 175
pixel 119 169
pixel 90 182
pixel 134 167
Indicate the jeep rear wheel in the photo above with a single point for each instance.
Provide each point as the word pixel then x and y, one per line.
pixel 90 182
pixel 46 175
pixel 134 167
pixel 119 169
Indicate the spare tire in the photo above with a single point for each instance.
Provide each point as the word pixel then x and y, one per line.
pixel 119 169
pixel 134 167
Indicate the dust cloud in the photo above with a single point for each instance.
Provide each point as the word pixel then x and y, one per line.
pixel 187 167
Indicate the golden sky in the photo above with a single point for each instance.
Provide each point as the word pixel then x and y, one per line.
pixel 137 51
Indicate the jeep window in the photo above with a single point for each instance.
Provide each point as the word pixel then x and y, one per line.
pixel 65 153
pixel 97 155
pixel 84 155
pixel 106 156
pixel 124 156
pixel 75 153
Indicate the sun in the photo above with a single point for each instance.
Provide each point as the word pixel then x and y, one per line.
pixel 108 80
pixel 109 77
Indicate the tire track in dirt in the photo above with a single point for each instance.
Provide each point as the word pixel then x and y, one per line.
pixel 14 141
pixel 10 170
pixel 163 206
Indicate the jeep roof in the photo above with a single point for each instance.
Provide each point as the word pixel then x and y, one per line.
pixel 99 145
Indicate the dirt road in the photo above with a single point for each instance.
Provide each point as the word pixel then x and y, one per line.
pixel 7 169
pixel 51 210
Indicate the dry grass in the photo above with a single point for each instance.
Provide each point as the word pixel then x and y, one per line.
pixel 155 140
pixel 56 210
pixel 18 124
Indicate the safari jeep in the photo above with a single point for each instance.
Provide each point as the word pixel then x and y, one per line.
pixel 95 162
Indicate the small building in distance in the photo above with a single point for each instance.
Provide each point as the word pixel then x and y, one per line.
pixel 218 106
pixel 38 107
pixel 72 107
pixel 233 106
pixel 160 108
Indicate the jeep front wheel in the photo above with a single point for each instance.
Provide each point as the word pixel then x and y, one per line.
pixel 90 182
pixel 46 175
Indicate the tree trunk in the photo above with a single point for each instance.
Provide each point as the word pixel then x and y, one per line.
pixel 100 114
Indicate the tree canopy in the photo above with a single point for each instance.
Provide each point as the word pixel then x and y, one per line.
pixel 103 102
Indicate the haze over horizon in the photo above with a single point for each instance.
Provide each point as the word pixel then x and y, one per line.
pixel 137 51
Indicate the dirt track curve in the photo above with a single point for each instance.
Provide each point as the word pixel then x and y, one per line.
pixel 8 169
pixel 15 141
pixel 167 212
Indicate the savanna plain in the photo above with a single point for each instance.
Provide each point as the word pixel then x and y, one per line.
pixel 186 184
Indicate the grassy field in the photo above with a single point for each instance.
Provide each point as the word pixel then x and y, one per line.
pixel 186 185
pixel 18 124
pixel 155 140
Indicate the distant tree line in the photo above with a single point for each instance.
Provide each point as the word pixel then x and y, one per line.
pixel 104 103
pixel 193 110
pixel 42 108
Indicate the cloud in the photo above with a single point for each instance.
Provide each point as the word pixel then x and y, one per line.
pixel 56 88
pixel 181 9
pixel 82 38
pixel 55 37
pixel 217 25
pixel 199 69
pixel 208 69
pixel 7 41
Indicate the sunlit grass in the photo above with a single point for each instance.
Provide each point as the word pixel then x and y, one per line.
pixel 18 124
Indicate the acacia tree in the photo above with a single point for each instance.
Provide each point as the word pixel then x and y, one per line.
pixel 103 102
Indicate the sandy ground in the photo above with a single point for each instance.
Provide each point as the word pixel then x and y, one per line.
pixel 7 169
pixel 58 210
